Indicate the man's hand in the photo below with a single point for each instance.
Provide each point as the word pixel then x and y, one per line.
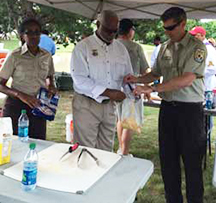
pixel 142 90
pixel 29 100
pixel 130 79
pixel 148 96
pixel 114 95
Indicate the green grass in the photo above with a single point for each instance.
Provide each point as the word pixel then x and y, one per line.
pixel 10 44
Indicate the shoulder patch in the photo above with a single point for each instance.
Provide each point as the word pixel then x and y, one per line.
pixel 199 55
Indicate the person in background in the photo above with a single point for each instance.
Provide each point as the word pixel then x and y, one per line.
pixel 140 65
pixel 157 43
pixel 181 62
pixel 213 42
pixel 98 66
pixel 210 68
pixel 30 68
pixel 47 43
pixel 85 35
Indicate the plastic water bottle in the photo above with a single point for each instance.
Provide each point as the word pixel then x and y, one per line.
pixel 209 99
pixel 30 163
pixel 23 126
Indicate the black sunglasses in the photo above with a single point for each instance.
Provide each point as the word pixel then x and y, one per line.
pixel 32 33
pixel 109 31
pixel 172 27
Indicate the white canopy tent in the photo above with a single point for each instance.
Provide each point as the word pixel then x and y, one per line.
pixel 140 9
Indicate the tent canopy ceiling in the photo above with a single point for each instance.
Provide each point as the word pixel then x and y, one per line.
pixel 140 9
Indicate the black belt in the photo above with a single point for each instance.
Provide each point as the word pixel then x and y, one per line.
pixel 105 101
pixel 178 103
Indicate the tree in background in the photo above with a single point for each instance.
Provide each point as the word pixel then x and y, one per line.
pixel 63 26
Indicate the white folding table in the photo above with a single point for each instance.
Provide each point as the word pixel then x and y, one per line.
pixel 119 185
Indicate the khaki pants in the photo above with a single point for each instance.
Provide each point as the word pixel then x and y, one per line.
pixel 94 123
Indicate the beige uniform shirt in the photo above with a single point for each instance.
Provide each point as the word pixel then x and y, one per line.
pixel 174 59
pixel 137 56
pixel 28 72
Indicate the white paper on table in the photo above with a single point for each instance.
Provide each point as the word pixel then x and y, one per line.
pixel 66 175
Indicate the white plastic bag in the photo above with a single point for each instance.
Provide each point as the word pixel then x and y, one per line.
pixel 131 111
pixel 132 114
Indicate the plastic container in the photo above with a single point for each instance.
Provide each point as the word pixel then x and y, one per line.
pixel 6 132
pixel 209 99
pixel 69 127
pixel 30 164
pixel 214 98
pixel 23 126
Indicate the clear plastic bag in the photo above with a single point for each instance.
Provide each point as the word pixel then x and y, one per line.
pixel 131 111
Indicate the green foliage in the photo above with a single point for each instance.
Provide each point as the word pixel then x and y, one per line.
pixel 66 27
pixel 146 30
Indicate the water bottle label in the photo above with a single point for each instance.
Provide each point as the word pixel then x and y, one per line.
pixel 23 132
pixel 29 177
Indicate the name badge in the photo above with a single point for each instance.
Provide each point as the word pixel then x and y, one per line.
pixel 94 52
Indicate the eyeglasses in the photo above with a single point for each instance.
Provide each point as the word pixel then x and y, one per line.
pixel 32 33
pixel 172 27
pixel 109 31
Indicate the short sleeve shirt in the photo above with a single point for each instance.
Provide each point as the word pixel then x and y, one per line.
pixel 137 56
pixel 28 72
pixel 174 60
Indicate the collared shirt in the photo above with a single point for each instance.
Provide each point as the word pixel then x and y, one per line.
pixel 189 57
pixel 155 54
pixel 210 68
pixel 28 72
pixel 47 43
pixel 137 56
pixel 96 66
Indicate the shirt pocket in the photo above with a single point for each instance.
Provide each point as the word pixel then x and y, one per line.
pixel 167 60
pixel 44 69
pixel 23 73
pixel 97 68
pixel 120 69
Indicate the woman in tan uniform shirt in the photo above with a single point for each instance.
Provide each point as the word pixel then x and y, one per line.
pixel 30 68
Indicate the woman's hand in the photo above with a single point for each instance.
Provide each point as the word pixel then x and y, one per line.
pixel 52 89
pixel 29 100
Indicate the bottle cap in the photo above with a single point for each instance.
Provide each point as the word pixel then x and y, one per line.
pixel 32 145
pixel 23 111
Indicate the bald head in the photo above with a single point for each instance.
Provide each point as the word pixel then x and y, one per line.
pixel 106 15
pixel 107 24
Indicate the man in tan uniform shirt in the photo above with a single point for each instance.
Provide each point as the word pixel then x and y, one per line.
pixel 181 62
